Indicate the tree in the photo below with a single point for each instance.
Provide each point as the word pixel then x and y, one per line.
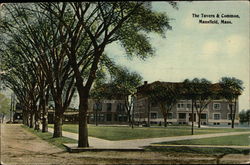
pixel 166 96
pixel 126 83
pixel 231 88
pixel 204 96
pixel 122 85
pixel 245 116
pixel 97 25
pixel 44 45
pixel 189 92
pixel 4 106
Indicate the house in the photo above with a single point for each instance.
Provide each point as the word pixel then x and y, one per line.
pixel 217 112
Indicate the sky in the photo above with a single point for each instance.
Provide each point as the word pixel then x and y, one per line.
pixel 192 49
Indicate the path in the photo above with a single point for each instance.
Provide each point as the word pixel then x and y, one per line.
pixel 101 143
pixel 20 147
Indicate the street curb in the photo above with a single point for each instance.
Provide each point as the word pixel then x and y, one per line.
pixel 72 148
pixel 198 146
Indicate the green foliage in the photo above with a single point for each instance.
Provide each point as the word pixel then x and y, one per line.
pixel 197 89
pixel 231 87
pixel 4 105
pixel 66 41
pixel 244 116
pixel 133 33
pixel 122 84
pixel 164 93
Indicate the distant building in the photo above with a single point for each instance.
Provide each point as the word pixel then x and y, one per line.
pixel 216 113
pixel 100 111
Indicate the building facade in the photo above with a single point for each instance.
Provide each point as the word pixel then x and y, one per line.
pixel 99 112
pixel 217 112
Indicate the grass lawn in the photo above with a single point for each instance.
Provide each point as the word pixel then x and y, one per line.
pixel 47 136
pixel 239 140
pixel 126 133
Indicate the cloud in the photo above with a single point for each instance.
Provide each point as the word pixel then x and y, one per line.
pixel 234 44
pixel 210 49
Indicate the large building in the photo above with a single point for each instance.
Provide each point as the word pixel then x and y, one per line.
pixel 102 111
pixel 217 112
pixel 112 110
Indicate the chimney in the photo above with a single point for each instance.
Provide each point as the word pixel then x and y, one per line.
pixel 145 82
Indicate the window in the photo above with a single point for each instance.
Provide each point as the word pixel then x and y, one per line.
pixel 109 117
pixel 153 115
pixel 216 116
pixel 154 104
pixel 120 107
pixel 180 105
pixel 116 117
pixel 190 117
pixel 182 115
pixel 101 117
pixel 228 106
pixel 122 118
pixel 197 106
pixel 170 116
pixel 216 106
pixel 109 107
pixel 229 117
pixel 188 105
pixel 97 106
pixel 203 116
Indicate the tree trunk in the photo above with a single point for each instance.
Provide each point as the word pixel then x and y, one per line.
pixel 148 113
pixel 37 119
pixel 132 119
pixel 2 118
pixel 129 119
pixel 165 121
pixel 233 115
pixel 25 118
pixel 31 125
pixel 58 122
pixel 45 117
pixel 199 120
pixel 83 129
pixel 192 128
pixel 96 117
